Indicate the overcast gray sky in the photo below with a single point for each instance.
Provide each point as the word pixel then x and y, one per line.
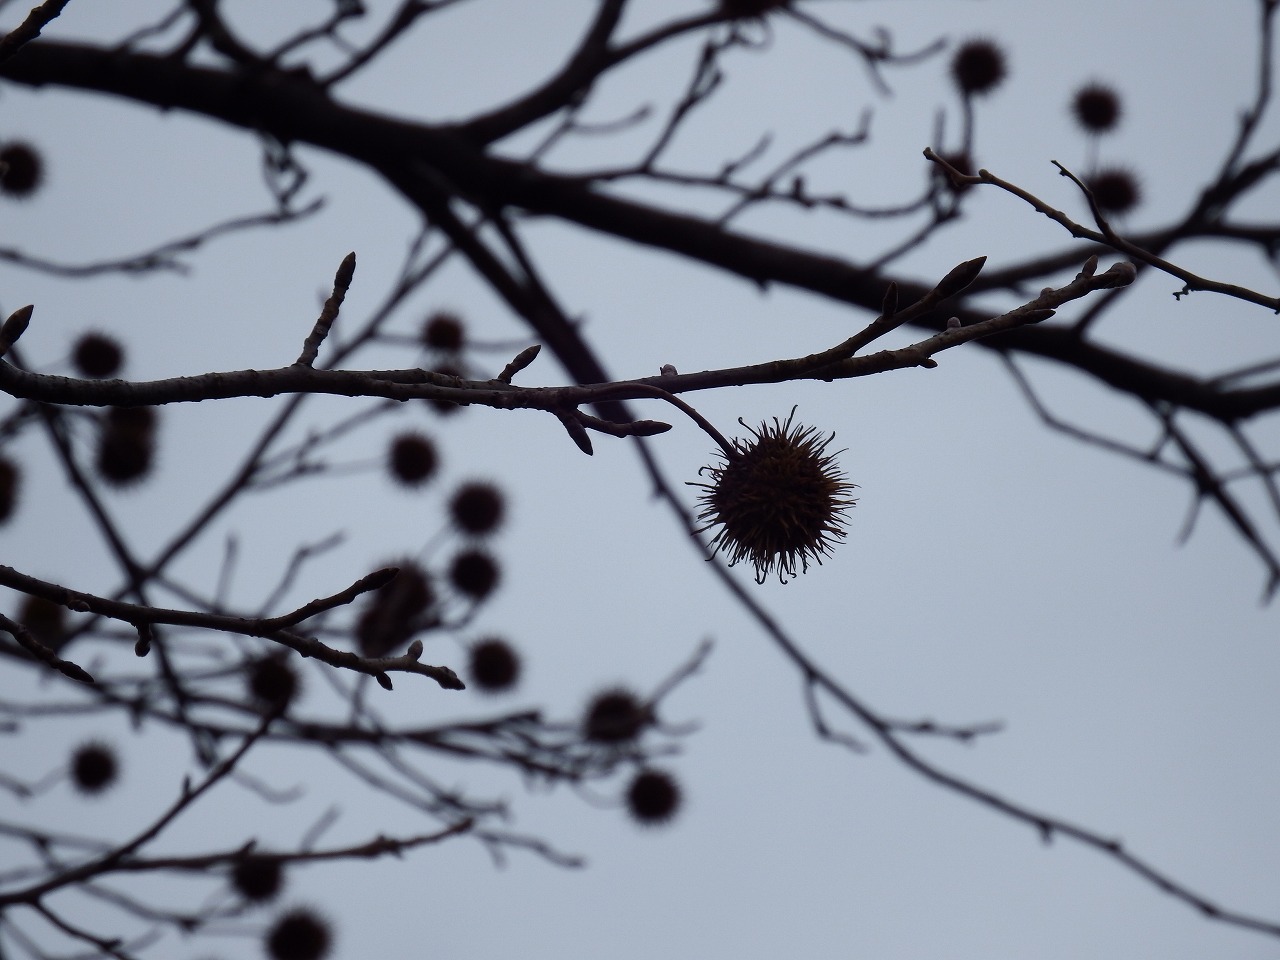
pixel 993 571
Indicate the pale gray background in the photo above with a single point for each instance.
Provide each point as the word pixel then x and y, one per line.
pixel 993 570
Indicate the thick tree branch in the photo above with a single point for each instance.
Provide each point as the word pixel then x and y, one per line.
pixel 295 109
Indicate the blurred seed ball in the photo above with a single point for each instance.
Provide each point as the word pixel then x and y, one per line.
pixel 1115 189
pixel 272 682
pixel 477 508
pixel 257 878
pixel 475 573
pixel 963 162
pixel 446 407
pixel 779 500
pixel 299 934
pixel 978 67
pixel 97 356
pixel 23 171
pixel 653 798
pixel 378 632
pixel 615 716
pixel 140 419
pixel 444 331
pixel 126 444
pixel 394 611
pixel 411 590
pixel 46 620
pixel 94 768
pixel 1096 108
pixel 10 482
pixel 495 666
pixel 412 459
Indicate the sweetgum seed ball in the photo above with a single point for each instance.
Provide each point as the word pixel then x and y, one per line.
pixel 653 798
pixel 94 768
pixel 494 666
pixel 412 459
pixel 25 170
pixel 1096 108
pixel 978 67
pixel 272 682
pixel 444 331
pixel 614 716
pixel 97 356
pixel 257 879
pixel 300 934
pixel 474 573
pixel 477 508
pixel 1115 190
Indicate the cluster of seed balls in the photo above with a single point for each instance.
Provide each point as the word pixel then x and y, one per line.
pixel 979 66
pixel 476 509
pixel 126 436
pixel 614 719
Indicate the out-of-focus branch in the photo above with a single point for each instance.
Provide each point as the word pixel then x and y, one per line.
pixel 297 110
pixel 163 257
pixel 271 628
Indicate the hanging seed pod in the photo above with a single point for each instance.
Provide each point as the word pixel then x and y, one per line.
pixel 653 798
pixel 778 500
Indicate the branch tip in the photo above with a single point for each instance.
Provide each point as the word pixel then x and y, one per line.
pixel 15 327
pixel 959 278
pixel 346 272
pixel 889 305
pixel 519 362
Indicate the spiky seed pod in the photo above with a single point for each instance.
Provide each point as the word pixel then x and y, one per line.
pixel 396 611
pixel 46 620
pixel 653 797
pixel 779 499
pixel 10 482
pixel 273 682
pixel 477 508
pixel 97 355
pixel 978 67
pixel 412 459
pixel 299 934
pixel 257 878
pixel 475 573
pixel 1096 108
pixel 444 331
pixel 24 170
pixel 94 767
pixel 126 444
pixel 615 716
pixel 1116 190
pixel 495 666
